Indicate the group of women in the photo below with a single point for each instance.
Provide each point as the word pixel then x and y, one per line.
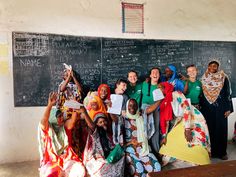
pixel 84 139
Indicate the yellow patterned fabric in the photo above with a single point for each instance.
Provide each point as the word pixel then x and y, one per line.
pixel 177 147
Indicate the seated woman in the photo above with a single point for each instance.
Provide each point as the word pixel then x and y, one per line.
pixel 139 159
pixel 98 147
pixel 54 133
pixel 189 138
pixel 94 102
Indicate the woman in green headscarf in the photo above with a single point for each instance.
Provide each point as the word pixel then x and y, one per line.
pixel 54 135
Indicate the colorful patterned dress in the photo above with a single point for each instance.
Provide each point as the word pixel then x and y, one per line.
pixel 188 117
pixel 57 158
pixel 137 165
pixel 95 162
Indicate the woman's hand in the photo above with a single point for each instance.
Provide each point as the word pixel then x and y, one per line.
pixel 188 135
pixel 70 74
pixel 182 77
pixel 164 141
pixel 52 99
pixel 227 113
pixel 81 110
pixel 108 103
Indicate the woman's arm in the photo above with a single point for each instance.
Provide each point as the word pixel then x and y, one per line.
pixel 185 87
pixel 64 84
pixel 227 95
pixel 88 120
pixel 51 102
pixel 153 107
pixel 76 82
pixel 114 118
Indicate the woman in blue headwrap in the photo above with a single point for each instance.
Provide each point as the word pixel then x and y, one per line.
pixel 171 77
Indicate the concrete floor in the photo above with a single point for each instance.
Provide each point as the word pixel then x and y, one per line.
pixel 30 169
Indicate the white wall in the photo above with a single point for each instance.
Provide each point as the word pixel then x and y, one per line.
pixel 164 19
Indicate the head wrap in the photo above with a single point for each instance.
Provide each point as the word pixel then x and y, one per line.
pixel 53 120
pixel 108 91
pixel 173 69
pixel 58 112
pixel 99 115
pixel 101 107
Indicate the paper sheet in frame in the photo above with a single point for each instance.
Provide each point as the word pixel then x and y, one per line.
pixel 72 104
pixel 116 101
pixel 157 95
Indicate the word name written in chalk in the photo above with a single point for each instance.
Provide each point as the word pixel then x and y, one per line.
pixel 30 63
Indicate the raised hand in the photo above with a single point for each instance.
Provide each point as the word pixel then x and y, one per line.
pixel 52 99
pixel 70 73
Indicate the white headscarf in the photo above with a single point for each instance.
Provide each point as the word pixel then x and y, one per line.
pixel 140 130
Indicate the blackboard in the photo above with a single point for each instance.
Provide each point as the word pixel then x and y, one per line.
pixel 38 60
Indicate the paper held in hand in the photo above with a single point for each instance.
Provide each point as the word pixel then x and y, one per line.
pixel 72 104
pixel 116 106
pixel 157 95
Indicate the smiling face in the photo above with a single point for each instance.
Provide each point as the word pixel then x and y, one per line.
pixel 103 93
pixel 213 68
pixel 192 72
pixel 94 105
pixel 102 122
pixel 121 87
pixel 168 73
pixel 132 106
pixel 132 77
pixel 60 119
pixel 155 75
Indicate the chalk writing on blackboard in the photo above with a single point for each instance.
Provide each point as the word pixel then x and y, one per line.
pixel 38 60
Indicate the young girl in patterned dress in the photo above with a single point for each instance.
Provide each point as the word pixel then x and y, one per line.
pixel 139 159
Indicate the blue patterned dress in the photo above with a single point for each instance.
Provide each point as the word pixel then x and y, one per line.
pixel 137 165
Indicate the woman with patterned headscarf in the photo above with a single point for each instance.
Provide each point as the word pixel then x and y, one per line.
pixel 57 158
pixel 216 105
